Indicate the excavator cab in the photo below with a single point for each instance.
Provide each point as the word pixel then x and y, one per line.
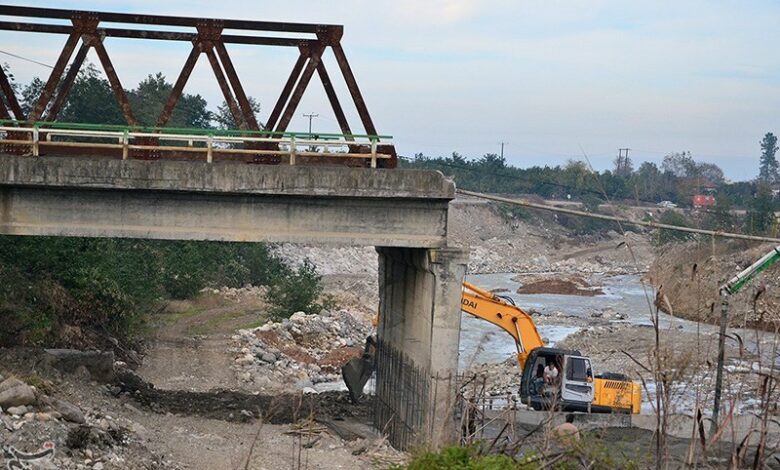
pixel 572 390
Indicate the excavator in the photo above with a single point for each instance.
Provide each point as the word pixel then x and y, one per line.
pixel 575 388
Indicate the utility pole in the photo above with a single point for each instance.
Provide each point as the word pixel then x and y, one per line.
pixel 310 116
pixel 502 149
pixel 622 161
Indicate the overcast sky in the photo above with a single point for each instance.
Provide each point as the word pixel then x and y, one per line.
pixel 550 77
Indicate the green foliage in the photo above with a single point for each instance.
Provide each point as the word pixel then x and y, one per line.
pixel 297 292
pixel 150 96
pixel 591 449
pixel 671 217
pixel 720 217
pixel 591 203
pixel 109 286
pixel 511 211
pixel 493 175
pixel 461 458
pixel 91 100
pixel 224 119
pixel 760 218
pixel 768 168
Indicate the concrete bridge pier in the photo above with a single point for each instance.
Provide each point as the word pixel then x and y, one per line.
pixel 418 341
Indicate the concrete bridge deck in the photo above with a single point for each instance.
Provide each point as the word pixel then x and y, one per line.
pixel 64 196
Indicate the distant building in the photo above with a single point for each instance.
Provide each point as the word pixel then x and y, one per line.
pixel 703 200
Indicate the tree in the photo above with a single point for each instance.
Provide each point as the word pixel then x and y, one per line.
pixel 768 169
pixel 298 292
pixel 761 214
pixel 30 94
pixel 647 181
pixel 710 172
pixel 492 161
pixel 90 100
pixel 224 118
pixel 150 96
pixel 680 164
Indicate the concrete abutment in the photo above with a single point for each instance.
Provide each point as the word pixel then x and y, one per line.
pixel 418 340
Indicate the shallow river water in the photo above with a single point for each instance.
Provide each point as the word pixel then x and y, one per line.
pixel 624 294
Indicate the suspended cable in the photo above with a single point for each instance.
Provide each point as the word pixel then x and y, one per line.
pixel 656 225
pixel 25 58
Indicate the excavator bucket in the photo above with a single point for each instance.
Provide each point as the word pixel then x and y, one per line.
pixel 356 373
pixel 358 370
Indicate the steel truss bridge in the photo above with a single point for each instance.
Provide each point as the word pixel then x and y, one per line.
pixel 39 132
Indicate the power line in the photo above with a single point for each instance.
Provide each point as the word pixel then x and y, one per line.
pixel 611 218
pixel 528 179
pixel 522 178
pixel 25 58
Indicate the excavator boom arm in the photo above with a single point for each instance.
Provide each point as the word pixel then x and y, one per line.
pixel 515 321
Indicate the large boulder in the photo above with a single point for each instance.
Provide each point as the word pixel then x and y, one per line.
pixel 68 411
pixel 14 392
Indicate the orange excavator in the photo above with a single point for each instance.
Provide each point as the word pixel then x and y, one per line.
pixel 571 386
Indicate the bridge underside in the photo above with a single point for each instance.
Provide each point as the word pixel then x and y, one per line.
pixel 402 213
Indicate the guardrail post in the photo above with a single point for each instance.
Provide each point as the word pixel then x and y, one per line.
pixel 125 145
pixel 209 143
pixel 373 152
pixel 292 150
pixel 35 147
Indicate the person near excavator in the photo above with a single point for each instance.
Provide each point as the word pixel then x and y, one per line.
pixel 550 373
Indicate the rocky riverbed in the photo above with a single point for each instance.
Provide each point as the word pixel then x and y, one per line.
pixel 304 352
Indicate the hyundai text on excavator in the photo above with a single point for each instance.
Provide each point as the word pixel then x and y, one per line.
pixel 575 389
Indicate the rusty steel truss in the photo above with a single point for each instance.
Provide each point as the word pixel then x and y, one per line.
pixel 89 29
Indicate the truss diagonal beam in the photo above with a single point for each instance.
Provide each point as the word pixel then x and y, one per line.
pixel 314 60
pixel 113 80
pixel 334 100
pixel 352 85
pixel 67 83
pixel 238 89
pixel 178 87
pixel 3 110
pixel 55 76
pixel 226 91
pixel 288 87
pixel 10 96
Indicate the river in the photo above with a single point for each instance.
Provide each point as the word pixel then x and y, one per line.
pixel 625 294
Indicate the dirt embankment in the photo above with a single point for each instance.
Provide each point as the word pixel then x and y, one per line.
pixel 688 277
pixel 500 243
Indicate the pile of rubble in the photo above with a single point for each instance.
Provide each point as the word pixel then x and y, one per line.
pixel 304 352
pixel 38 430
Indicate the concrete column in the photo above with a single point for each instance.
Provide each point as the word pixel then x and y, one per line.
pixel 418 335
